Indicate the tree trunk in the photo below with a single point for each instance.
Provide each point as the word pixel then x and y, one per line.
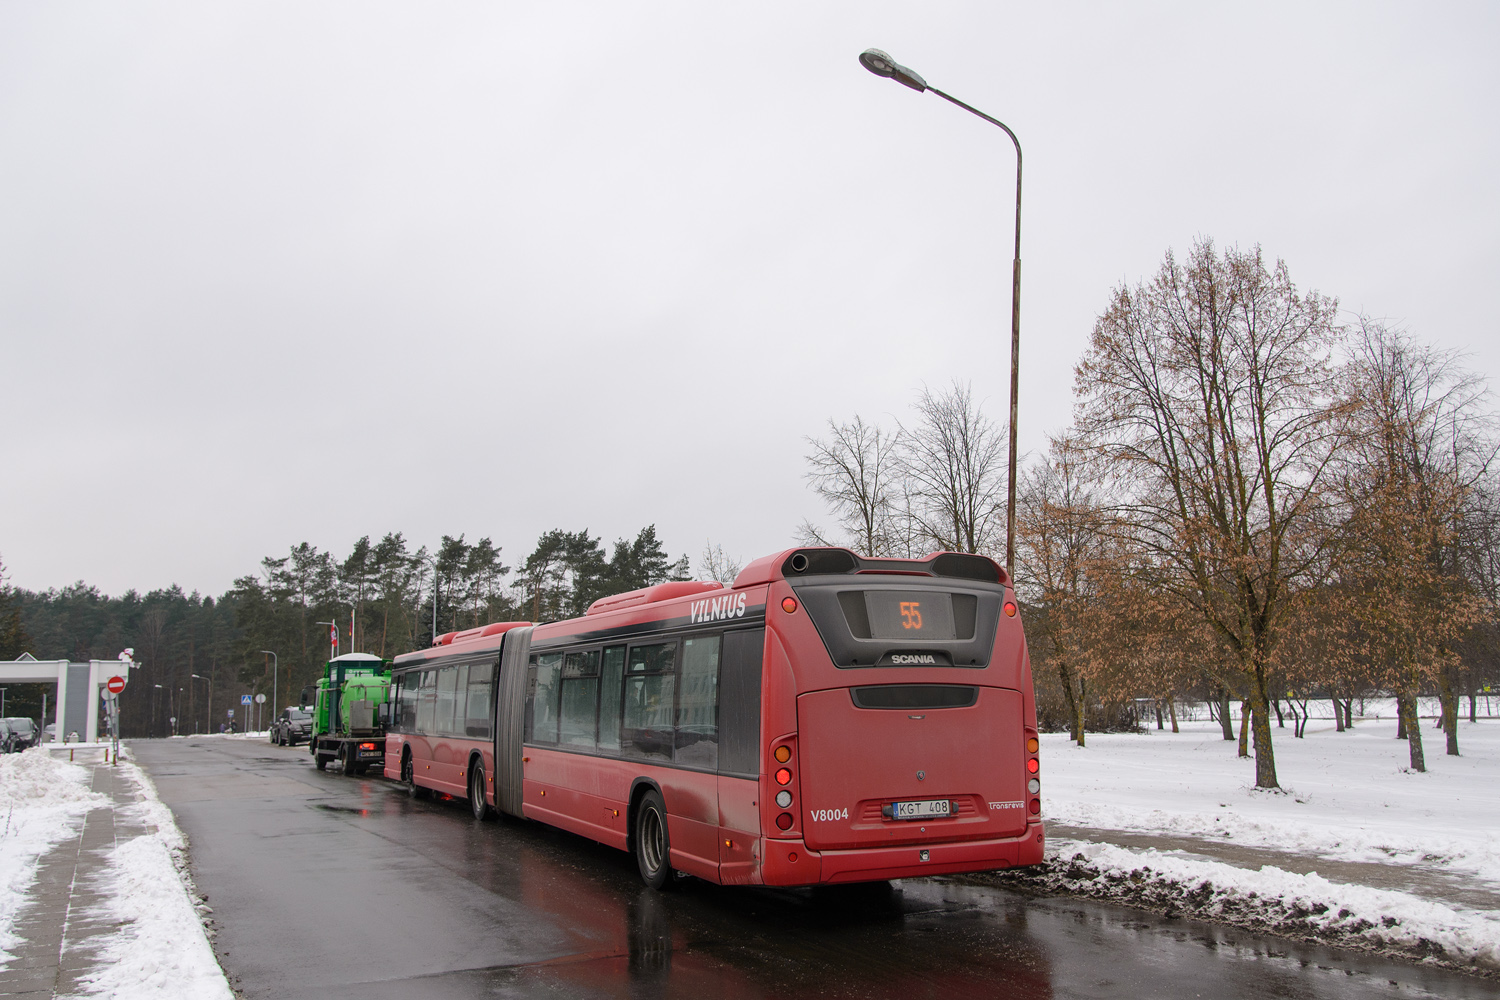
pixel 1400 715
pixel 1065 674
pixel 1224 721
pixel 1448 695
pixel 1280 722
pixel 1172 710
pixel 1348 713
pixel 1413 732
pixel 1159 722
pixel 1260 721
pixel 1082 717
pixel 1338 715
pixel 1471 706
pixel 1244 728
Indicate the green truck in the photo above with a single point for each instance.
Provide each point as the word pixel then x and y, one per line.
pixel 347 724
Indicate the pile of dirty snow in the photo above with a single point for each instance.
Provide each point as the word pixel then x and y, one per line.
pixel 42 803
pixel 1270 899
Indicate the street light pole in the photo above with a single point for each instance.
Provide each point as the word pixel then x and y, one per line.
pixel 275 673
pixel 880 64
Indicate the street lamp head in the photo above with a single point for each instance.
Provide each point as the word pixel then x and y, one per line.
pixel 880 64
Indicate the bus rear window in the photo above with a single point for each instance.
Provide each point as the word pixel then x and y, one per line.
pixel 902 623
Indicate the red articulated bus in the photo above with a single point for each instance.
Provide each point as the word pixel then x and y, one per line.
pixel 827 718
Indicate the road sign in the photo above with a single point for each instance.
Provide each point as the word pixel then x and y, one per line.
pixel 115 684
pixel 260 699
pixel 231 713
pixel 244 699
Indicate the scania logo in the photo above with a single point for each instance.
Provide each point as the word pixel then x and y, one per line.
pixel 916 659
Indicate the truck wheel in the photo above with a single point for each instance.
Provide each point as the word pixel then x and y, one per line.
pixel 477 805
pixel 322 761
pixel 653 848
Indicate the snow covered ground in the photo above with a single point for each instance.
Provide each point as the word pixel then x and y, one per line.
pixel 1346 797
pixel 161 949
pixel 42 803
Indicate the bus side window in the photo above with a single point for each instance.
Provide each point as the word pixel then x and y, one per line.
pixel 480 702
pixel 739 702
pixel 408 702
pixel 611 678
pixel 447 689
pixel 579 700
pixel 426 699
pixel 650 701
pixel 541 700
pixel 698 703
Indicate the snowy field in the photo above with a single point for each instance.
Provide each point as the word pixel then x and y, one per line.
pixel 1346 797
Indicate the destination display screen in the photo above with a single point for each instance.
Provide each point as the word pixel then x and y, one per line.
pixel 914 615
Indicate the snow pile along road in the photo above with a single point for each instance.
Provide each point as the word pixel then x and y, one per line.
pixel 42 803
pixel 161 951
pixel 1270 899
pixel 1345 797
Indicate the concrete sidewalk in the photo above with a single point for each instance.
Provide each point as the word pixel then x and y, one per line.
pixel 60 925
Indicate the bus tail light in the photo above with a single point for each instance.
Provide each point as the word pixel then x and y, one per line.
pixel 1033 765
pixel 783 754
pixel 783 776
pixel 789 605
pixel 1036 807
pixel 784 821
pixel 1010 609
pixel 367 746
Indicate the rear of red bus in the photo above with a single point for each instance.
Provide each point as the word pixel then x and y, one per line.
pixel 899 723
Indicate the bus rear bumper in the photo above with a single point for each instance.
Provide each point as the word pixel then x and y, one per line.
pixel 789 862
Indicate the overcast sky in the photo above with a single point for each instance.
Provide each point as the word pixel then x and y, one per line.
pixel 274 272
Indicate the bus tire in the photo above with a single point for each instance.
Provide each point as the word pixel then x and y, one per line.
pixel 477 805
pixel 653 846
pixel 409 778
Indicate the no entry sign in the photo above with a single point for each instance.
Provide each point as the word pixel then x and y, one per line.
pixel 115 684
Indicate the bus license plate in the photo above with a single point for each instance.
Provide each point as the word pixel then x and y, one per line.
pixel 930 809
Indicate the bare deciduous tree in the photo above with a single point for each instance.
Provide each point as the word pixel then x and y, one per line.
pixel 1211 392
pixel 1419 454
pixel 953 463
pixel 855 472
pixel 716 565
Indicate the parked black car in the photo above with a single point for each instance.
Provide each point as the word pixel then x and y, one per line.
pixel 7 738
pixel 292 726
pixel 26 733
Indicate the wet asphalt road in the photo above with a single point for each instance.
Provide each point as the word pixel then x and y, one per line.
pixel 335 887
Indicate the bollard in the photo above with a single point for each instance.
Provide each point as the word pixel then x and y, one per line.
pixel 106 755
pixel 70 754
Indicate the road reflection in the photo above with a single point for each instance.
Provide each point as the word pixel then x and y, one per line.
pixel 912 940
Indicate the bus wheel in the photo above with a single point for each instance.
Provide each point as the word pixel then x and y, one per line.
pixel 409 778
pixel 653 849
pixel 477 805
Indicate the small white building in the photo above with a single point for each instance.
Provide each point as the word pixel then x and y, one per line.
pixel 77 706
